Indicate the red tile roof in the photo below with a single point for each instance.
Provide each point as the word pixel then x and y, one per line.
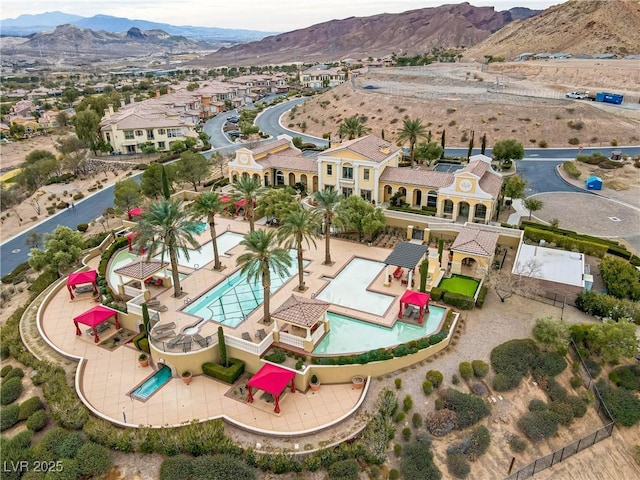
pixel 475 241
pixel 417 177
pixel 301 311
pixel 369 146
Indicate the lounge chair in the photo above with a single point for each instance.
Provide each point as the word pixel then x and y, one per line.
pixel 186 343
pixel 176 340
pixel 166 326
pixel 200 340
pixel 163 335
pixel 246 336
pixel 101 327
pixel 261 334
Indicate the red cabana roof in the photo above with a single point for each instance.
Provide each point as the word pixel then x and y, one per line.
pixel 82 277
pixel 94 317
pixel 225 198
pixel 271 379
pixel 136 212
pixel 415 298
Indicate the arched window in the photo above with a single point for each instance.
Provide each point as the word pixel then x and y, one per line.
pixel 432 199
pixel 448 206
pixel 481 211
pixel 279 177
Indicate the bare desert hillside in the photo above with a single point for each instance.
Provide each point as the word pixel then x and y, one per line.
pixel 576 26
pixel 511 100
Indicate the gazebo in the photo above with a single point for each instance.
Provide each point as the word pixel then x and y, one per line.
pixel 273 380
pixel 80 278
pixel 473 245
pixel 418 299
pixel 139 270
pixel 304 317
pixel 94 317
pixel 405 255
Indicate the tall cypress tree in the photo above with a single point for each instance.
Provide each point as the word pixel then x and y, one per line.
pixel 442 143
pixel 223 348
pixel 166 191
pixel 424 272
pixel 483 146
pixel 471 140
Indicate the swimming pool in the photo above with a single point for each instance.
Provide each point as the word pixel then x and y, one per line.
pixel 233 299
pixel 152 384
pixel 349 288
pixel 199 227
pixel 349 335
pixel 199 258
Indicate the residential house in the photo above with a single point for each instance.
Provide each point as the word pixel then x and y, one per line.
pixel 321 76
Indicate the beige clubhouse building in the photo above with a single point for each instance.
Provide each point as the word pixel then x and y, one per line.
pixel 368 167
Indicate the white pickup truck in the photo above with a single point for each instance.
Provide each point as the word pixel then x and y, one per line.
pixel 578 95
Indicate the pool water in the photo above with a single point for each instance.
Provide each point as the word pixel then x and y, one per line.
pixel 233 299
pixel 349 288
pixel 348 335
pixel 204 255
pixel 152 384
pixel 199 228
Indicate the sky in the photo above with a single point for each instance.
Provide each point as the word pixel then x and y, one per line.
pixel 265 15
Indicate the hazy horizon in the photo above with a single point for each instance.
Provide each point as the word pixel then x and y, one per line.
pixel 268 16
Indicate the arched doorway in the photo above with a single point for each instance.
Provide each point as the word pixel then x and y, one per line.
pixel 417 198
pixel 432 199
pixel 388 192
pixel 266 179
pixel 448 207
pixel 315 183
pixel 403 192
pixel 256 177
pixel 463 211
pixel 292 179
pixel 303 180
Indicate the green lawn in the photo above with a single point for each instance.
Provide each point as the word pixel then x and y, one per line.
pixel 459 284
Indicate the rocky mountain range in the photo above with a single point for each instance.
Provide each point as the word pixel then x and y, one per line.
pixel 575 27
pixel 407 33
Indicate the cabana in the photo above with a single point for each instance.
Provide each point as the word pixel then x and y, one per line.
pixel 301 317
pixel 80 278
pixel 273 380
pixel 134 212
pixel 418 299
pixel 405 255
pixel 130 239
pixel 95 317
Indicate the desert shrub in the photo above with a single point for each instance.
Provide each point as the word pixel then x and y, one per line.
pixel 594 367
pixel 435 377
pixel 5 370
pixel 406 434
pixel 416 420
pixel 15 372
pixel 555 391
pixel 512 361
pixel 93 459
pixel 458 466
pixel 176 468
pixel 394 474
pixel 397 449
pixel 8 416
pixel 344 470
pixel 543 144
pixel 470 409
pixel 417 463
pixel 563 410
pixel 571 169
pixel 427 387
pixel 441 422
pixel 407 403
pixel 399 417
pixel 627 376
pixel 573 141
pixel 539 425
pixel 69 447
pixel 480 368
pixel 465 369
pixel 455 379
pixel 53 439
pixel 276 356
pixel 5 351
pixel 479 389
pixel 622 403
pixel 83 227
pixel 10 390
pixel 549 364
pixel 480 439
pixel 398 383
pixel 37 421
pixel 575 381
pixel 537 405
pixel 517 444
pixel 30 406
pixel 578 406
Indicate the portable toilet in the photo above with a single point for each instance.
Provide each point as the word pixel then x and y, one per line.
pixel 594 183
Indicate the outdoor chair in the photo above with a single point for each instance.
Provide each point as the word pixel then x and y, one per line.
pixel 246 336
pixel 100 328
pixel 186 343
pixel 261 334
pixel 200 340
pixel 163 335
pixel 166 326
pixel 176 340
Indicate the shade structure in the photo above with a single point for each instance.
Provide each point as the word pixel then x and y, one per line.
pixel 272 379
pixel 406 255
pixel 93 317
pixel 80 278
pixel 418 299
pixel 134 212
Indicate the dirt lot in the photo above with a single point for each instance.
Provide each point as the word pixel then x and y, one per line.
pixel 461 98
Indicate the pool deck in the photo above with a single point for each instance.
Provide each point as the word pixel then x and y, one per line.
pixel 106 376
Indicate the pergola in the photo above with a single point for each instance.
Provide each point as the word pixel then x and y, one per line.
pixel 271 379
pixel 418 299
pixel 94 317
pixel 140 270
pixel 134 212
pixel 406 255
pixel 80 278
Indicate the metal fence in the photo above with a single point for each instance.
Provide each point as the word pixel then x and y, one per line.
pixel 583 443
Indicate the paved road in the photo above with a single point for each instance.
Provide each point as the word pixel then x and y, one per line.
pixel 268 121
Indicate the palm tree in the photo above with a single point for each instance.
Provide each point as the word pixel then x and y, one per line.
pixel 327 200
pixel 533 205
pixel 297 227
pixel 209 204
pixel 263 254
pixel 167 222
pixel 352 127
pixel 412 130
pixel 249 190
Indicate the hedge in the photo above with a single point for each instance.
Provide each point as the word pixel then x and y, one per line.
pixel 603 305
pixel 227 374
pixel 458 300
pixel 37 421
pixel 567 243
pixel 9 416
pixel 482 296
pixel 30 406
pixel 15 372
pixel 10 390
pixel 571 169
pixel 5 370
pixel 436 294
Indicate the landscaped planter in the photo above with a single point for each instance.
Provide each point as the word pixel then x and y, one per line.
pixel 358 382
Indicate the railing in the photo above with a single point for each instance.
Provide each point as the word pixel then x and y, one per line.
pixel 245 345
pixel 317 335
pixel 134 305
pixel 131 291
pixel 583 443
pixel 293 340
